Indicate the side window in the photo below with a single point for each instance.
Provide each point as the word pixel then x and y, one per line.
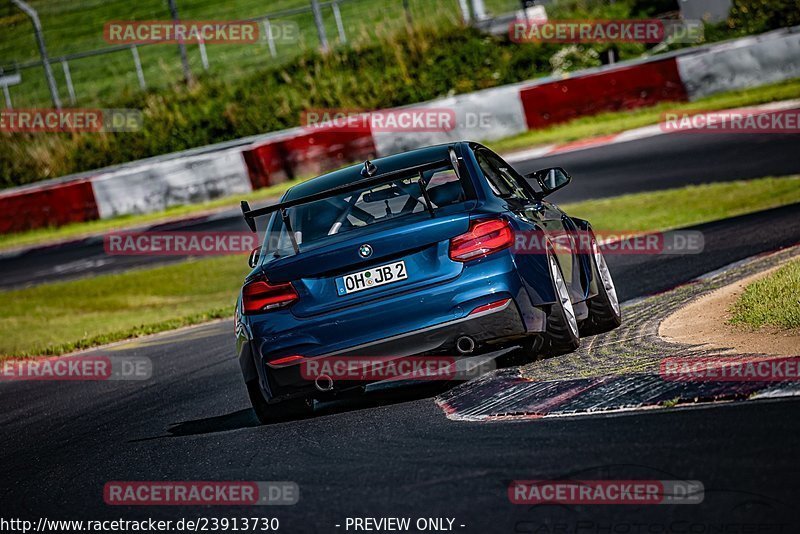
pixel 504 181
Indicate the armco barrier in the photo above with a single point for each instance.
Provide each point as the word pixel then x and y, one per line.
pixel 49 205
pixel 242 165
pixel 747 62
pixel 489 114
pixel 305 152
pixel 155 187
pixel 626 87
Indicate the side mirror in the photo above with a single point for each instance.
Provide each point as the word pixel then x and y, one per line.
pixel 255 255
pixel 551 179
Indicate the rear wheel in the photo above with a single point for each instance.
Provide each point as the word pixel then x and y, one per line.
pixel 604 310
pixel 529 350
pixel 282 411
pixel 562 327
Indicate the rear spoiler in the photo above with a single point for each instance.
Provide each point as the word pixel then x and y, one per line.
pixel 251 214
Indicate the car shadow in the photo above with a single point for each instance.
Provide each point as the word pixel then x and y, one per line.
pixel 383 398
pixel 246 418
pixel 221 423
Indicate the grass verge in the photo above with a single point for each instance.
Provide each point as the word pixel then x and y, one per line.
pixel 685 206
pixel 772 301
pixel 61 317
pixel 65 316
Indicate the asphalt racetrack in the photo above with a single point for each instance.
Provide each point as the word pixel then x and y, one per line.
pixel 398 455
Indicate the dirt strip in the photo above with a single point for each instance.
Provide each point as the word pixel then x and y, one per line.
pixel 704 322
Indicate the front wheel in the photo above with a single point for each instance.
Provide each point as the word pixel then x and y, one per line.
pixel 274 413
pixel 562 334
pixel 604 311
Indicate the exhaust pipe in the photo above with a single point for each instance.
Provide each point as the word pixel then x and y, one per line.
pixel 465 344
pixel 323 383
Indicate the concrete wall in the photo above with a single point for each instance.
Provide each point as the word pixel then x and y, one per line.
pixel 748 62
pixel 154 187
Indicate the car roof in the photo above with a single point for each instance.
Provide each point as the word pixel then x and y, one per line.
pixel 352 173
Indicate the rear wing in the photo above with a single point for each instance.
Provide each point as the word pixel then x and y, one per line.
pixel 369 170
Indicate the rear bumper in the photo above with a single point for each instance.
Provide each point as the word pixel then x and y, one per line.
pixel 397 324
pixel 398 311
pixel 490 330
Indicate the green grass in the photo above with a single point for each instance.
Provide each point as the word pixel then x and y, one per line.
pixel 71 27
pixel 61 317
pixel 615 122
pixel 772 301
pixel 695 204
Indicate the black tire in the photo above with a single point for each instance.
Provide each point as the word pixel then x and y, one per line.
pixel 274 413
pixel 562 335
pixel 604 311
pixel 529 350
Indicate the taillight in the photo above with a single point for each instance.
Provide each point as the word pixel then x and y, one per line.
pixel 483 238
pixel 259 296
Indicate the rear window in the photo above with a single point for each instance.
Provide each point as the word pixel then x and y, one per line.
pixel 319 220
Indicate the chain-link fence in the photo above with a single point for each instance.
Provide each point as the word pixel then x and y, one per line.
pixel 88 71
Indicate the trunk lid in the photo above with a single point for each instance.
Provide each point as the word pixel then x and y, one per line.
pixel 419 240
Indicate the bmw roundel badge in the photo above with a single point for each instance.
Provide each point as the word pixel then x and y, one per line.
pixel 365 251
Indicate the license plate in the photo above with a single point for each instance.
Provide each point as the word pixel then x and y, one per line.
pixel 377 276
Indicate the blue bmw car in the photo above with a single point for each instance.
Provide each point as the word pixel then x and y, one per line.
pixel 426 252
